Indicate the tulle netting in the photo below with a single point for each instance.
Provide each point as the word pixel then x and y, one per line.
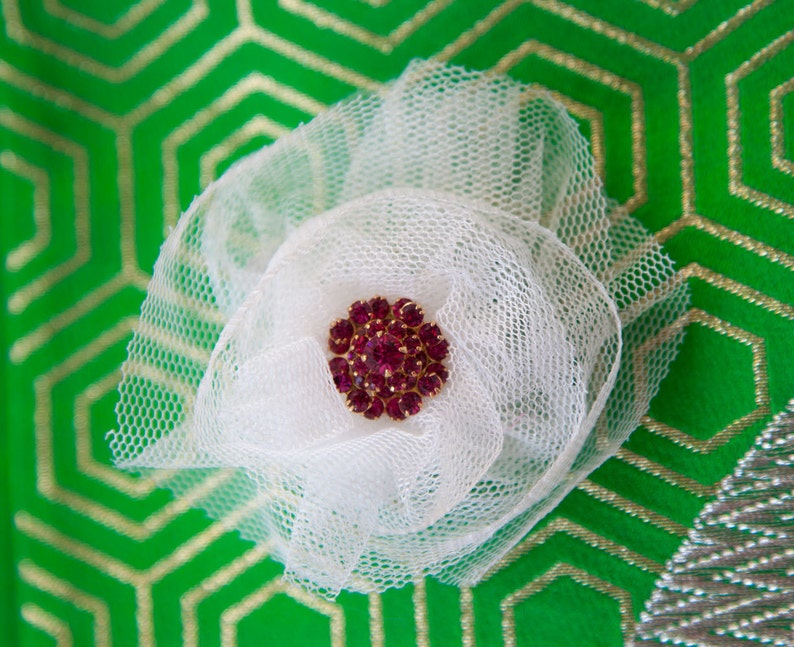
pixel 477 197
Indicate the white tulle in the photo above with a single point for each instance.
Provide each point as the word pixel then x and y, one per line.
pixel 474 196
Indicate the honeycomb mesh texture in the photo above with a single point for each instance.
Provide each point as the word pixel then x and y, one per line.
pixel 477 197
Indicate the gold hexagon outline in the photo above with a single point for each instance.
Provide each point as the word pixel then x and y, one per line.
pixel 760 381
pixel 255 127
pixel 677 59
pixel 602 77
pixel 40 579
pixel 672 8
pixel 324 19
pixel 218 580
pixel 232 616
pixel 141 581
pixel 29 249
pixel 777 133
pixel 46 482
pixel 86 464
pixel 127 21
pixel 19 300
pixel 142 57
pixel 55 627
pixel 736 184
pixel 253 83
pixel 581 577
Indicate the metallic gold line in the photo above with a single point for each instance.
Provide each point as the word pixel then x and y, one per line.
pixel 728 235
pixel 23 347
pixel 19 300
pixel 645 464
pixel 144 614
pixel 53 626
pixel 685 143
pixel 385 44
pixel 467 617
pixel 29 249
pixel 251 84
pixel 603 77
pixel 739 289
pixel 376 633
pixel 736 185
pixel 632 508
pixel 127 21
pixel 123 148
pixel 760 381
pixel 723 29
pixel 191 599
pixel 202 540
pixel 59 97
pixel 143 57
pixel 591 23
pixel 63 590
pixel 259 125
pixel 483 26
pixel 126 186
pixel 245 14
pixel 560 570
pixel 594 540
pixel 46 481
pixel 232 616
pixel 323 19
pixel 246 33
pixel 188 78
pixel 596 120
pixel 671 7
pixel 103 562
pixel 419 599
pixel 777 133
pixel 311 60
pixel 86 464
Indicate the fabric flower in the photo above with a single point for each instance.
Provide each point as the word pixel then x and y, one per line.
pixel 474 197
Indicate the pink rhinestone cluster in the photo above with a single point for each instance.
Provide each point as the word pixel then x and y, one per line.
pixel 388 358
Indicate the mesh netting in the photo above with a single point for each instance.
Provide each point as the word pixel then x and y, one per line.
pixel 471 194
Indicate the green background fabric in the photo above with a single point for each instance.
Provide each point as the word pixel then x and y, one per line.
pixel 114 115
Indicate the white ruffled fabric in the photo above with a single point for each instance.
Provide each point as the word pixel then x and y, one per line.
pixel 476 197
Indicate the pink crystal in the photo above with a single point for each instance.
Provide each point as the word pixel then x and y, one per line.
pixel 338 346
pixel 411 403
pixel 438 351
pixel 430 333
pixel 358 400
pixel 360 312
pixel 412 344
pixel 343 382
pixel 382 354
pixel 342 329
pixel 397 328
pixel 398 305
pixel 375 409
pixel 429 385
pixel 411 314
pixel 438 369
pixel 380 307
pixel 388 358
pixel 401 382
pixel 393 409
pixel 412 365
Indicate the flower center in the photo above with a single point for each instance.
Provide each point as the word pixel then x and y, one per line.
pixel 387 358
pixel 382 354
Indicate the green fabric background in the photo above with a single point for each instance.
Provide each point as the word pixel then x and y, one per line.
pixel 114 115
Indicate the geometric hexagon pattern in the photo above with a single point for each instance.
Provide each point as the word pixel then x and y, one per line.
pixel 114 115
